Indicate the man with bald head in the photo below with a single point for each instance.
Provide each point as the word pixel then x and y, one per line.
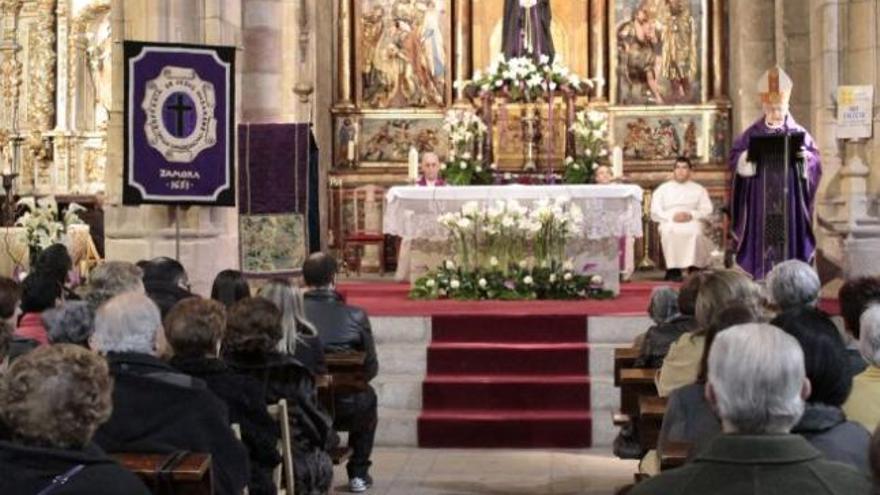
pixel 430 166
pixel 344 328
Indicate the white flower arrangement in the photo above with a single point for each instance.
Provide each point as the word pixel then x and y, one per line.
pixel 523 79
pixel 41 221
pixel 466 133
pixel 590 131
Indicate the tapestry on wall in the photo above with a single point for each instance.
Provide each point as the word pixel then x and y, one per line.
pixel 278 205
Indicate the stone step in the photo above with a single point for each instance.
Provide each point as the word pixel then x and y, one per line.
pixel 397 428
pixel 402 359
pixel 616 329
pixel 401 329
pixel 399 391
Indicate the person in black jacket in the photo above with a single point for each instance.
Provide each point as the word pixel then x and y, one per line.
pixel 155 407
pixel 344 328
pixel 166 282
pixel 253 330
pixel 51 402
pixel 194 328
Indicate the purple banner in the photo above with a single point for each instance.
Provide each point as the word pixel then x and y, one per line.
pixel 179 124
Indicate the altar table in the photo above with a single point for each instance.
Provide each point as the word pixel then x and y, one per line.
pixel 611 212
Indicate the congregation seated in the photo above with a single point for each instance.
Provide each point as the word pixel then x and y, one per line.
pixel 344 328
pixel 39 292
pixel 157 409
pixel 166 282
pixel 689 417
pixel 718 289
pixel 10 310
pixel 854 296
pixel 55 263
pixel 72 322
pixel 109 279
pixel 793 285
pixel 229 287
pixel 300 337
pixel 678 206
pixel 863 404
pixel 824 423
pixel 51 402
pixel 670 328
pixel 253 330
pixel 757 384
pixel 194 329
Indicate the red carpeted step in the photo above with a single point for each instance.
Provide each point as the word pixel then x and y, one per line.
pixel 506 358
pixel 512 392
pixel 505 328
pixel 505 429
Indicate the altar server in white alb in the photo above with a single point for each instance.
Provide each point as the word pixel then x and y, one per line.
pixel 678 206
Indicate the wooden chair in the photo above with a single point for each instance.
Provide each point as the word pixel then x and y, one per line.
pixel 346 375
pixel 181 473
pixel 279 413
pixel 364 234
pixel 624 357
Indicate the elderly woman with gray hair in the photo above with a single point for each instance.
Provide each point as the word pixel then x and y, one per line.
pixel 52 400
pixel 863 405
pixel 793 284
pixel 757 383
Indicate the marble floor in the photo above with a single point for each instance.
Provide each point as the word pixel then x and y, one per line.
pixel 411 471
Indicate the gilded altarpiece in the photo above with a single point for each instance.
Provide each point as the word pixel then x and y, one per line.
pixel 659 65
pixel 55 76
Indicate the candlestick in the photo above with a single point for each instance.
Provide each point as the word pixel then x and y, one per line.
pixel 617 161
pixel 413 163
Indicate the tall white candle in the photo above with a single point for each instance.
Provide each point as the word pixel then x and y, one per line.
pixel 617 161
pixel 350 151
pixel 413 163
pixel 700 150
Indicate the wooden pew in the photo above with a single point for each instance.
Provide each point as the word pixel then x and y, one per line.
pixel 651 411
pixel 624 357
pixel 346 375
pixel 674 454
pixel 188 473
pixel 635 382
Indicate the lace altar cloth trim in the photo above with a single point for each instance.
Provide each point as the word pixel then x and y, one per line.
pixel 613 210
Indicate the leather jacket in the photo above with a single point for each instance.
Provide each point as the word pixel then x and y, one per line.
pixel 341 327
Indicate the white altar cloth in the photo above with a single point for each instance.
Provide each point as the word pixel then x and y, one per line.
pixel 610 210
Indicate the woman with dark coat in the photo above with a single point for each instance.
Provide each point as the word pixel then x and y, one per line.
pixel 51 402
pixel 253 330
pixel 824 423
pixel 194 329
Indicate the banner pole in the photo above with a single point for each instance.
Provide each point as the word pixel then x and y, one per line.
pixel 177 232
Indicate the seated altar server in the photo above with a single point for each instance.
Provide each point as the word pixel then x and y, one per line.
pixel 678 206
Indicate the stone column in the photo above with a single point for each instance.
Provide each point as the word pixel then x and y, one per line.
pixel 598 40
pixel 463 57
pixel 263 59
pixel 752 51
pixel 209 236
pixel 344 56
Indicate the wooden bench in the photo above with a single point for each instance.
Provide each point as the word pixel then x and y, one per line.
pixel 651 411
pixel 674 454
pixel 188 473
pixel 635 382
pixel 624 357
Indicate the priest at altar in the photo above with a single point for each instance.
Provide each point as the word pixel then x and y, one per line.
pixel 679 206
pixel 758 246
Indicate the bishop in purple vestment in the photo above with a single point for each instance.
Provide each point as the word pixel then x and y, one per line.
pixel 747 197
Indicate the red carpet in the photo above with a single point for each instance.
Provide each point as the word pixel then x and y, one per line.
pixel 507 381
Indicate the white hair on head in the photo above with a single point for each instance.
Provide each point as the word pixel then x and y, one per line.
pixel 127 323
pixel 793 283
pixel 757 373
pixel 289 299
pixel 869 334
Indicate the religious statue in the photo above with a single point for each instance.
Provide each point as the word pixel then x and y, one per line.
pixel 639 58
pixel 526 29
pixel 679 62
pixel 100 69
pixel 777 171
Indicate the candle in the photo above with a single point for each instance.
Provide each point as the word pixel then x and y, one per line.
pixel 617 161
pixel 413 163
pixel 700 151
pixel 350 151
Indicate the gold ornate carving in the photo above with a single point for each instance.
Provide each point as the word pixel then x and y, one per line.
pixel 10 80
pixel 41 68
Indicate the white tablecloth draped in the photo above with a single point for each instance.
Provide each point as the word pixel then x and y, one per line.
pixel 610 210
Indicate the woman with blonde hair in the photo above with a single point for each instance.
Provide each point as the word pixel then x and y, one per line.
pixel 718 289
pixel 300 337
